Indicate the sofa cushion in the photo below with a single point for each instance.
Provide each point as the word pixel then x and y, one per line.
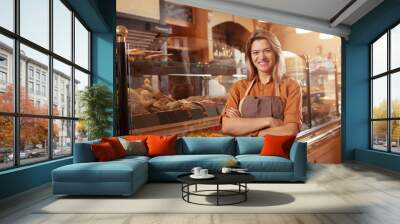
pixel 95 172
pixel 161 145
pixel 103 151
pixel 130 158
pixel 116 145
pixel 134 147
pixel 277 145
pixel 112 171
pixel 185 163
pixel 206 145
pixel 249 145
pixel 257 163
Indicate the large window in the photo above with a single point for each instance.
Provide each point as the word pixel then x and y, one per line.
pixel 385 95
pixel 44 64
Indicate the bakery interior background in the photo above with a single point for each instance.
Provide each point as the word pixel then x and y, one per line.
pixel 182 61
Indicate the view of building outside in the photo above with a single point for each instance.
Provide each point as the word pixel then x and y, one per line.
pixel 6 101
pixel 385 125
pixel 36 117
pixel 34 99
pixel 81 82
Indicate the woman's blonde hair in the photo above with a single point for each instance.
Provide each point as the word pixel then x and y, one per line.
pixel 279 69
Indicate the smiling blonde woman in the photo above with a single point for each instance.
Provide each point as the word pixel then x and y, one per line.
pixel 267 102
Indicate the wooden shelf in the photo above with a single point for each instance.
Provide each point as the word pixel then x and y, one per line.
pixel 179 128
pixel 179 48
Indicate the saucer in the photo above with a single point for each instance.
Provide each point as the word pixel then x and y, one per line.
pixel 208 176
pixel 240 171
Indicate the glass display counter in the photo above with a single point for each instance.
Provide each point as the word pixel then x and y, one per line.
pixel 176 97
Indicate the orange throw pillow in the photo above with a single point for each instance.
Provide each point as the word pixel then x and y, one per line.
pixel 161 145
pixel 116 145
pixel 103 151
pixel 277 145
pixel 135 137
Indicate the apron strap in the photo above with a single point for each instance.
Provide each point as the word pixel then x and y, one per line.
pixel 246 94
pixel 277 89
pixel 249 88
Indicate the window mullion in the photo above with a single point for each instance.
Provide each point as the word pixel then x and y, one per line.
pixel 389 104
pixel 89 55
pixel 50 81
pixel 371 89
pixel 73 82
pixel 16 84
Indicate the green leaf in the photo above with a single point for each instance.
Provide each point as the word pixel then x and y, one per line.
pixel 96 102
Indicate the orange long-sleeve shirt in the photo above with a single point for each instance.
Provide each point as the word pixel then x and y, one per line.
pixel 290 94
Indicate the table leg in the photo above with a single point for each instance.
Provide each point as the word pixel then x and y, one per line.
pixel 188 190
pixel 245 191
pixel 182 190
pixel 196 188
pixel 217 194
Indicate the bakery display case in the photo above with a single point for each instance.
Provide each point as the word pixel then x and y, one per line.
pixel 173 79
pixel 297 69
pixel 324 89
pixel 167 96
pixel 175 97
pixel 160 92
pixel 319 81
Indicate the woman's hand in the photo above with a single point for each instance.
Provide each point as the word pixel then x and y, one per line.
pixel 272 123
pixel 286 129
pixel 232 112
pixel 262 133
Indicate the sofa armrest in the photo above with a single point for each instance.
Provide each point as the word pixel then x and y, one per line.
pixel 298 155
pixel 83 152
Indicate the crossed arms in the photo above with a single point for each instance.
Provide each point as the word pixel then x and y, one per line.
pixel 234 124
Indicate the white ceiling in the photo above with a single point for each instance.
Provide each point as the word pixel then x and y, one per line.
pixel 320 9
pixel 315 15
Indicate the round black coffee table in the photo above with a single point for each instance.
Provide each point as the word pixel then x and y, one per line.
pixel 238 179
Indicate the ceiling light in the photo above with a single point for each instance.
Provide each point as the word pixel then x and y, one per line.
pixel 324 36
pixel 289 54
pixel 302 31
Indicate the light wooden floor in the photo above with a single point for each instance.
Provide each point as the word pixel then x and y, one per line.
pixel 377 188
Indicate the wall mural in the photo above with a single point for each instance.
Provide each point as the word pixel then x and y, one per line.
pixel 178 81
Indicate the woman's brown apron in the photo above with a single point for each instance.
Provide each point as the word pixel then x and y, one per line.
pixel 261 106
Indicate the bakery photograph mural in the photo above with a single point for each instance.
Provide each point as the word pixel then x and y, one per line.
pixel 177 64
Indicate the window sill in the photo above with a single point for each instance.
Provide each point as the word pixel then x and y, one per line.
pixel 26 167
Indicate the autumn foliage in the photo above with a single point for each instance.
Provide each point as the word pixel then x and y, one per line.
pixel 380 127
pixel 33 131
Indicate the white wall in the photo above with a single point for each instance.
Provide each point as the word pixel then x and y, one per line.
pixel 143 8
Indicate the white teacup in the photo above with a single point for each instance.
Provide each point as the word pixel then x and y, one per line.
pixel 226 170
pixel 196 171
pixel 203 172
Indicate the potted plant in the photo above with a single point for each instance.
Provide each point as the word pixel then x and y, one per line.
pixel 96 104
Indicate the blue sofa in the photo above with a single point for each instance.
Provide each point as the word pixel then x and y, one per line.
pixel 125 176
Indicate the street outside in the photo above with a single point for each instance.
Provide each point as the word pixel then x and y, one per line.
pixel 29 156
